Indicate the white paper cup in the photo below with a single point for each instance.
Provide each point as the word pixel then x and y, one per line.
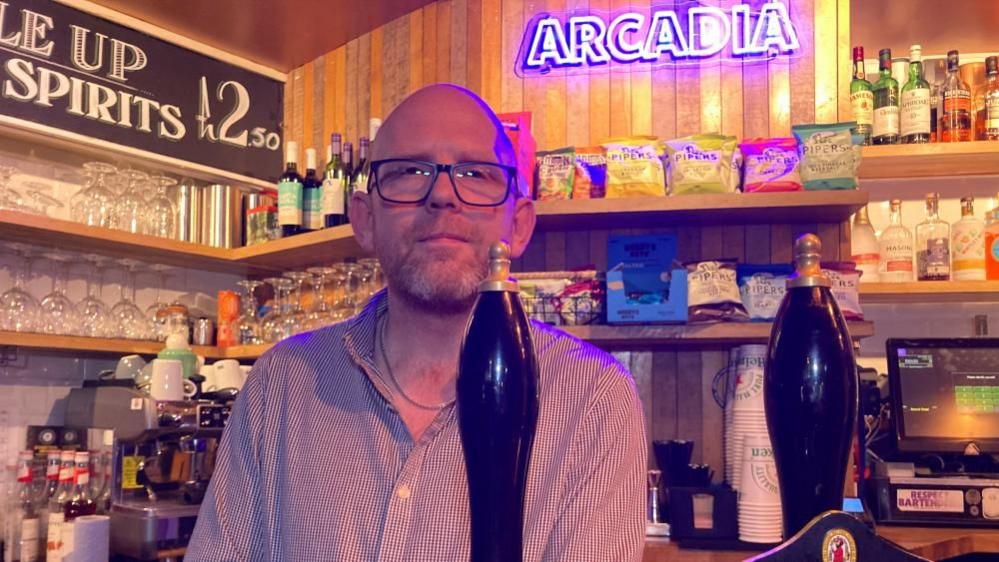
pixel 749 378
pixel 759 476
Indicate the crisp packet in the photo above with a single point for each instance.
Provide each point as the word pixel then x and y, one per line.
pixel 712 292
pixel 770 165
pixel 828 159
pixel 844 279
pixel 702 164
pixel 591 173
pixel 540 298
pixel 582 302
pixel 634 168
pixel 556 169
pixel 762 288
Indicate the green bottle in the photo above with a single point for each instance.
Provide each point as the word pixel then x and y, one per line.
pixel 861 97
pixel 915 102
pixel 886 124
pixel 334 206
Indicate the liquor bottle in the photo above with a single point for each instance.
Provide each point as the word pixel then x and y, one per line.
pixel 955 123
pixel 497 398
pixel 885 102
pixel 933 244
pixel 334 205
pixel 810 392
pixel 23 538
pixel 991 127
pixel 895 247
pixel 348 164
pixel 968 241
pixel 312 218
pixel 864 248
pixel 80 503
pixel 861 97
pixel 290 194
pixel 915 105
pixel 360 180
pixel 52 466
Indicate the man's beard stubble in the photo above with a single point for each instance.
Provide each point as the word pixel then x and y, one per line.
pixel 435 288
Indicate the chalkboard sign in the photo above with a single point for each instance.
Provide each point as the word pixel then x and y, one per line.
pixel 70 70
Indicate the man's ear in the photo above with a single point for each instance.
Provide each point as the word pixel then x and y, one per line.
pixel 524 219
pixel 362 220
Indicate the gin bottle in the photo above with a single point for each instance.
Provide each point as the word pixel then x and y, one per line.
pixel 968 241
pixel 933 244
pixel 864 248
pixel 895 248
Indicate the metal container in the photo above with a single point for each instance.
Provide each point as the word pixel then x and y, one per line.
pixel 190 211
pixel 204 331
pixel 222 225
pixel 260 218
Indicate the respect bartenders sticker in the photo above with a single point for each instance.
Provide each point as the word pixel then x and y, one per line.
pixel 937 501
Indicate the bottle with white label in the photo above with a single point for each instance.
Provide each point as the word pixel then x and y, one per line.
pixel 312 217
pixel 334 202
pixel 886 126
pixel 968 241
pixel 864 248
pixel 895 247
pixel 861 97
pixel 915 105
pixel 24 536
pixel 933 244
pixel 290 209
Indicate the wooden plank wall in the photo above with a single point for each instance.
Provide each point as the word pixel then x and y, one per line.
pixel 475 43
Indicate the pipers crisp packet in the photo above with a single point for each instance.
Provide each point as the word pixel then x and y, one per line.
pixel 828 158
pixel 702 164
pixel 762 288
pixel 634 168
pixel 770 165
pixel 591 173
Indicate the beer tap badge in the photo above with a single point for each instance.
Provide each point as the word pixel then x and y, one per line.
pixel 688 33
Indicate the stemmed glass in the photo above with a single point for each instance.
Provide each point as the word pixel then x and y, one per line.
pixel 94 204
pixel 95 318
pixel 322 313
pixel 40 202
pixel 162 211
pixel 248 326
pixel 131 322
pixel 9 197
pixel 274 327
pixel 132 215
pixel 159 310
pixel 58 315
pixel 294 319
pixel 350 299
pixel 19 310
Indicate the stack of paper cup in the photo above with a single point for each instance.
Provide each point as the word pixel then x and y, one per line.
pixel 759 497
pixel 748 417
pixel 729 387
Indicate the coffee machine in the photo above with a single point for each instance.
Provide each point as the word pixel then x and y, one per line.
pixel 163 457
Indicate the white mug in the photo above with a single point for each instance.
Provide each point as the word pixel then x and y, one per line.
pixel 226 374
pixel 168 382
pixel 129 366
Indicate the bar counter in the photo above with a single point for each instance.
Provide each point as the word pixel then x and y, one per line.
pixel 934 543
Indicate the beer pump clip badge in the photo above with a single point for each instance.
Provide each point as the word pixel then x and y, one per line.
pixel 839 546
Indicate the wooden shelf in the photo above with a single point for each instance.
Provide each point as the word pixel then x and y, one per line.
pixel 298 251
pixel 245 352
pixel 93 346
pixel 930 292
pixel 721 208
pixel 904 161
pixel 688 335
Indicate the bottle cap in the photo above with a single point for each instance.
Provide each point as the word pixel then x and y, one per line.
pixel 808 263
pixel 292 152
pixel 991 65
pixel 499 270
pixel 858 53
pixel 916 53
pixel 310 159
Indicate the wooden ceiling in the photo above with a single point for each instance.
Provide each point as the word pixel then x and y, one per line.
pixel 280 34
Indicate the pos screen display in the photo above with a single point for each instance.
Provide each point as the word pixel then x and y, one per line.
pixel 945 393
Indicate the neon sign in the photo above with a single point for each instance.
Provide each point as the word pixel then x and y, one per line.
pixel 684 35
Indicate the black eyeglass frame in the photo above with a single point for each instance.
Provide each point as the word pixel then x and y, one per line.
pixel 438 168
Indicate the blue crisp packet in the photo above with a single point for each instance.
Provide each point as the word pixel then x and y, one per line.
pixel 762 289
pixel 828 157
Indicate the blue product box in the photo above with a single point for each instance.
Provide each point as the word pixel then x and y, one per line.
pixel 643 286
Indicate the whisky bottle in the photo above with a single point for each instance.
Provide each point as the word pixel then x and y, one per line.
pixel 497 398
pixel 968 241
pixel 933 244
pixel 956 119
pixel 886 126
pixel 991 127
pixel 895 247
pixel 915 104
pixel 861 97
pixel 810 392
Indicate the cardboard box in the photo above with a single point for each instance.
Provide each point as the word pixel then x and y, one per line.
pixel 643 285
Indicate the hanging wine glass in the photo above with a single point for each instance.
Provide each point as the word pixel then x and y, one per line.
pixel 159 311
pixel 10 198
pixel 40 202
pixel 18 308
pixel 131 323
pixel 58 314
pixel 248 325
pixel 162 211
pixel 95 318
pixel 132 212
pixel 94 204
pixel 295 318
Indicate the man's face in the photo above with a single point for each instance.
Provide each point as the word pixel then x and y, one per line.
pixel 435 253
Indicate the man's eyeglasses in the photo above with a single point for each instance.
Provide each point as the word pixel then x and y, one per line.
pixel 479 184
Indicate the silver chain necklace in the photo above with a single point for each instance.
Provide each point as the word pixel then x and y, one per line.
pixel 388 367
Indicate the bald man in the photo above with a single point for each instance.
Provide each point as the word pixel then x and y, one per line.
pixel 344 443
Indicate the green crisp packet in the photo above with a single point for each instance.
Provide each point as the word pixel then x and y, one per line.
pixel 828 157
pixel 703 164
pixel 555 170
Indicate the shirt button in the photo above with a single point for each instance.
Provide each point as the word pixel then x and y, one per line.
pixel 404 492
